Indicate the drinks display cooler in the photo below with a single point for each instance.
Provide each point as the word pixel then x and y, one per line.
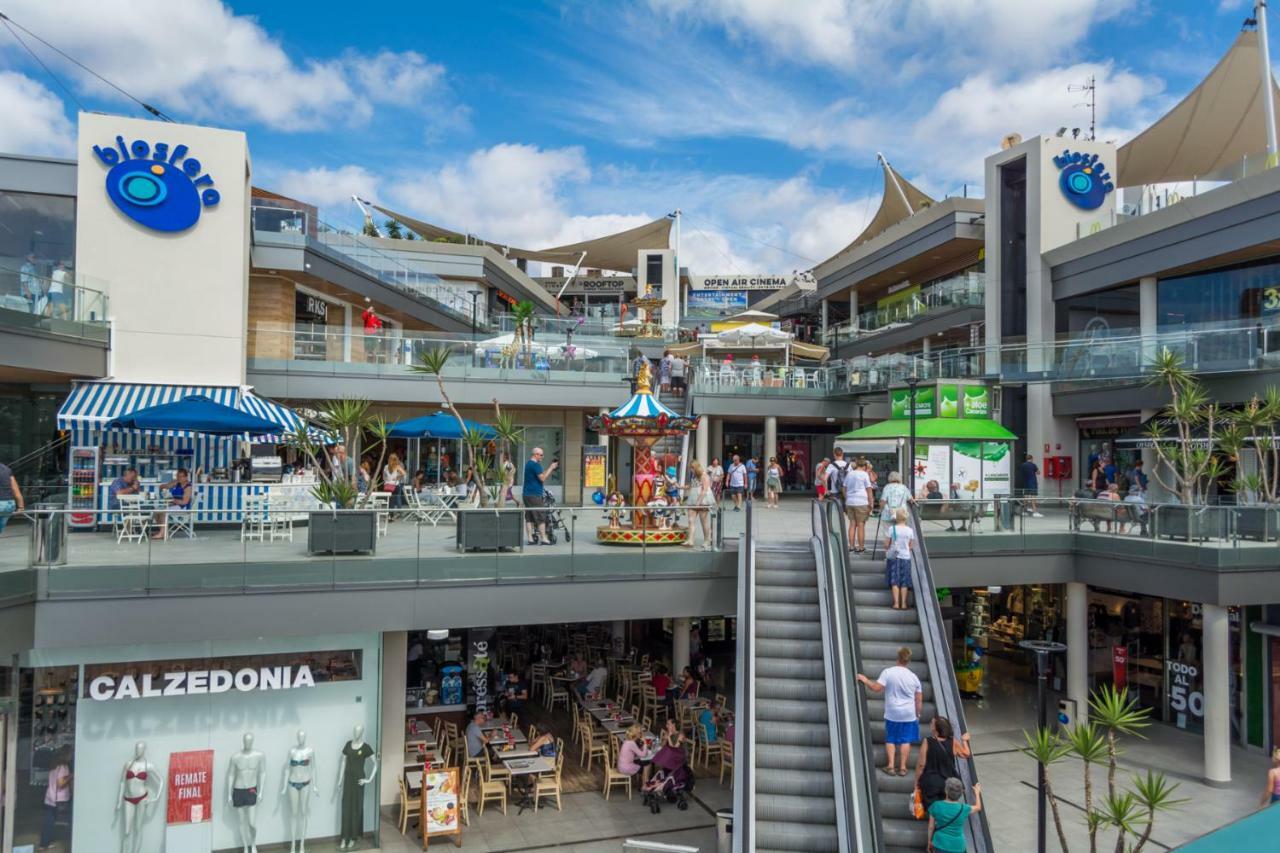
pixel 83 497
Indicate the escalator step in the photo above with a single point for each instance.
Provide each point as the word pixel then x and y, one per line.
pixel 793 757
pixel 786 629
pixel 889 632
pixel 787 595
pixel 773 837
pixel 792 711
pixel 882 650
pixel 796 809
pixel 807 669
pixel 789 688
pixel 872 597
pixel 770 647
pixel 786 612
pixel 801 783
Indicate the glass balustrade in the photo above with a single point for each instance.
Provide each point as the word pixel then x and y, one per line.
pixel 962 290
pixel 69 304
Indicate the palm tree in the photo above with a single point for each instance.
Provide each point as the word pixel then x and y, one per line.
pixel 1189 460
pixel 1117 713
pixel 432 363
pixel 1153 794
pixel 393 229
pixel 507 433
pixel 1089 745
pixel 351 422
pixel 1048 748
pixel 522 317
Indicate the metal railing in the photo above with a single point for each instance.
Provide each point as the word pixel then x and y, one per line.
pixel 946 692
pixel 852 755
pixel 296 548
pixel 966 289
pixel 744 781
pixel 62 304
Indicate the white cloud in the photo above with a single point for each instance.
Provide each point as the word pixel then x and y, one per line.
pixel 813 30
pixel 35 121
pixel 325 188
pixel 198 60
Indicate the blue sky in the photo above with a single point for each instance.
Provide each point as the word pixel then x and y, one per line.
pixel 538 123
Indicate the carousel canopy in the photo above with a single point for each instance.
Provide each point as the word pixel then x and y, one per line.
pixel 196 413
pixel 437 425
pixel 643 416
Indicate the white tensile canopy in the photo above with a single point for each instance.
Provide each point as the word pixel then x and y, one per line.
pixel 556 349
pixel 1213 128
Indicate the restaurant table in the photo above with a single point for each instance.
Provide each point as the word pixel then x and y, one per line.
pixel 605 713
pixel 497 737
pixel 525 769
pixel 614 727
pixel 413 779
pixel 509 754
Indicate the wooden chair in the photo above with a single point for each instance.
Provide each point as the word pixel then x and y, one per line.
pixel 548 785
pixel 703 747
pixel 635 712
pixel 559 696
pixel 496 774
pixel 533 733
pixel 590 746
pixel 409 807
pixel 464 797
pixel 491 789
pixel 614 777
pixel 647 722
pixel 726 762
pixel 537 679
pixel 573 711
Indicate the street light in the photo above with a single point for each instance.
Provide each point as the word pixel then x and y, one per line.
pixel 1042 650
pixel 912 382
pixel 475 294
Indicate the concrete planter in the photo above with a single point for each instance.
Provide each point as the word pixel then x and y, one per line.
pixel 489 531
pixel 342 533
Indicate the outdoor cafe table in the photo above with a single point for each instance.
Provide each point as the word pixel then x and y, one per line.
pixel 605 713
pixel 525 769
pixel 496 736
pixel 615 727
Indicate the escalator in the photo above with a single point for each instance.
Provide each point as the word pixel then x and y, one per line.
pixel 810 741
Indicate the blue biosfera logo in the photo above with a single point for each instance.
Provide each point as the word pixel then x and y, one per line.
pixel 1084 180
pixel 156 187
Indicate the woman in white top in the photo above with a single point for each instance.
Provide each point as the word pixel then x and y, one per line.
pixel 716 473
pixel 701 499
pixel 508 480
pixel 897 564
pixel 393 476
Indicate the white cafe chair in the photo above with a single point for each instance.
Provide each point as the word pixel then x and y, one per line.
pixel 132 522
pixel 183 520
pixel 253 519
pixel 279 518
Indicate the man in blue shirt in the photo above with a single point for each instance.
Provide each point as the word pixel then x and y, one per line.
pixel 752 471
pixel 1138 477
pixel 535 496
pixel 1031 484
pixel 125 484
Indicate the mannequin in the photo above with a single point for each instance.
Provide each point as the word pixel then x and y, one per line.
pixel 299 787
pixel 137 780
pixel 245 779
pixel 356 754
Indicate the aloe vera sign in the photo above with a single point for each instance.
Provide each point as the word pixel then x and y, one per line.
pixel 948 401
pixel 977 401
pixel 900 403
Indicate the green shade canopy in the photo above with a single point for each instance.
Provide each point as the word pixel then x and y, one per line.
pixel 980 429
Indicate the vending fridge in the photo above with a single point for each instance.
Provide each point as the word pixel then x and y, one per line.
pixel 83 499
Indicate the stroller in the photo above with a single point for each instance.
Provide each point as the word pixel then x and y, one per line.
pixel 673 781
pixel 554 520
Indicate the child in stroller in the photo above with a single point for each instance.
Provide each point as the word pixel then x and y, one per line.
pixel 672 782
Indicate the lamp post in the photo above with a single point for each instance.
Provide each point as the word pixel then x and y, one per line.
pixel 912 382
pixel 475 294
pixel 861 406
pixel 1042 650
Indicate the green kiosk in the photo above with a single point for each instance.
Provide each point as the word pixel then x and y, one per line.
pixel 956 440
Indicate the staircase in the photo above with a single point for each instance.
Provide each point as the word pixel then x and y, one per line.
pixel 794 787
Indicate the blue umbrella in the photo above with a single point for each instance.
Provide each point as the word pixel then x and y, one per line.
pixel 196 413
pixel 438 425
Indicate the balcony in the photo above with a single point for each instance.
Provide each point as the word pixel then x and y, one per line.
pixel 962 291
pixel 54 306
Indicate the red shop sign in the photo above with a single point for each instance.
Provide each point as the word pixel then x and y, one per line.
pixel 1120 666
pixel 190 786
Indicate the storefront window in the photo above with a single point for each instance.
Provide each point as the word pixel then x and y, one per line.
pixel 1184 667
pixel 1109 313
pixel 1127 645
pixel 1232 296
pixel 318 328
pixel 36 231
pixel 551 440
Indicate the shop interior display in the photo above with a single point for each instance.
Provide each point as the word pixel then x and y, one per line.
pixel 245 777
pixel 299 788
pixel 53 719
pixel 139 779
pixel 356 757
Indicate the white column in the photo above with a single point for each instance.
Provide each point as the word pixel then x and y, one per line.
pixel 618 633
pixel 395 666
pixel 601 437
pixel 825 310
pixel 853 310
pixel 1078 647
pixel 770 441
pixel 1216 661
pixel 679 644
pixel 924 347
pixel 703 443
pixel 1147 317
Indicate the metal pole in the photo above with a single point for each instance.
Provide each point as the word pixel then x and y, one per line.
pixel 1042 649
pixel 474 295
pixel 1268 102
pixel 911 445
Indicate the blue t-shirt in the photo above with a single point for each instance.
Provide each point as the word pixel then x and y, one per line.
pixel 113 492
pixel 708 724
pixel 533 479
pixel 949 838
pixel 1029 474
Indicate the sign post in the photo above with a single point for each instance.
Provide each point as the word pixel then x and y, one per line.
pixel 440 806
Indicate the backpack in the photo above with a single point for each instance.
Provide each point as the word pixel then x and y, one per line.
pixel 835 477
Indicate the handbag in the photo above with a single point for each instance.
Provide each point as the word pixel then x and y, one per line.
pixel 388 487
pixel 917 805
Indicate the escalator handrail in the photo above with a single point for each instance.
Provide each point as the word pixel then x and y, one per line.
pixel 852 756
pixel 744 793
pixel 946 693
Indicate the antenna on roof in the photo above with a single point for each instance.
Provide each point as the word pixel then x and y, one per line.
pixel 1090 89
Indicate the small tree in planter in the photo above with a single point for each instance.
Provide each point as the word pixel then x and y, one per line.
pixel 1255 430
pixel 432 363
pixel 1131 812
pixel 1188 461
pixel 358 431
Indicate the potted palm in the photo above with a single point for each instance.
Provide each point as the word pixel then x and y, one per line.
pixel 495 530
pixel 355 429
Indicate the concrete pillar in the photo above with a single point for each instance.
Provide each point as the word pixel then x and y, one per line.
pixel 618 636
pixel 395 666
pixel 1147 316
pixel 1078 647
pixel 703 443
pixel 825 309
pixel 853 310
pixel 924 347
pixel 679 644
pixel 601 438
pixel 717 438
pixel 1216 662
pixel 770 441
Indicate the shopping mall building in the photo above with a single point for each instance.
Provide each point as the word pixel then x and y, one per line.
pixel 1043 300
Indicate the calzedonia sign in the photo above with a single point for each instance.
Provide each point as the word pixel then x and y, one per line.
pixel 205 676
pixel 157 186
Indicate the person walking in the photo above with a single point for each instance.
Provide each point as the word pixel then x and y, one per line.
pixel 937 762
pixel 947 818
pixel 903 699
pixel 737 480
pixel 1271 795
pixel 11 499
pixel 1031 484
pixel 534 494
pixel 858 499
pixel 753 471
pixel 664 373
pixel 508 480
pixel 57 797
pixel 716 472
pixel 701 499
pixel 820 477
pixel 772 482
pixel 894 497
pixel 897 564
pixel 836 473
pixel 679 367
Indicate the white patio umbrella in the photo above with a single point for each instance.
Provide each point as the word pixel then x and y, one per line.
pixel 553 347
pixel 752 334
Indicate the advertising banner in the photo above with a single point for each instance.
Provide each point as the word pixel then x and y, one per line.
pixel 997 457
pixel 190 797
pixel 1182 680
pixel 898 401
pixel 977 401
pixel 593 467
pixel 737 282
pixel 1120 666
pixel 712 304
pixel 900 300
pixel 478 668
pixel 948 401
pixel 981 467
pixel 440 805
pixel 932 462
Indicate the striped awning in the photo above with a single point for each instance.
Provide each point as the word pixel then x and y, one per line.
pixel 91 405
pixel 283 415
pixel 642 405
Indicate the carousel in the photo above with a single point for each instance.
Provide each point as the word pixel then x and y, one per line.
pixel 642 422
pixel 651 325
